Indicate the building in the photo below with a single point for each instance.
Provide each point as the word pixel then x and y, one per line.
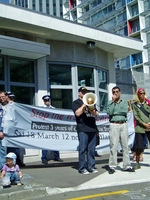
pixel 126 17
pixel 43 54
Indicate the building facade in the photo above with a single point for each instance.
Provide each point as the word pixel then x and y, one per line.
pixel 43 54
pixel 126 17
pixel 129 18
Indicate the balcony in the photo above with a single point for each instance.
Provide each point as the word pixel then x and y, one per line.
pixel 145 30
pixel 101 19
pixel 147 46
pixel 131 2
pixel 145 12
pixel 84 3
pixel 66 2
pixel 93 10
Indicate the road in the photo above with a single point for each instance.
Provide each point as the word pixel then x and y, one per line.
pixel 62 181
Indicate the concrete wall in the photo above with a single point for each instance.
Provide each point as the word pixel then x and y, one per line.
pixel 76 52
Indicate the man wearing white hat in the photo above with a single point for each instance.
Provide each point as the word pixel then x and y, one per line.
pixel 47 103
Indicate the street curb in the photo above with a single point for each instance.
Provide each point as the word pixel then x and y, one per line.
pixel 25 194
pixel 34 193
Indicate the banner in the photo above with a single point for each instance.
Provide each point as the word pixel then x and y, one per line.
pixel 37 127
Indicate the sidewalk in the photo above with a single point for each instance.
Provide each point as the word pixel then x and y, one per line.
pixel 40 180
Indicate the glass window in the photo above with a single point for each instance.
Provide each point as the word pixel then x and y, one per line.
pixel 26 3
pixel 85 76
pixel 103 101
pixel 1 69
pixel 61 8
pixel 24 94
pixel 61 98
pixel 21 71
pixel 59 74
pixel 135 26
pixel 54 7
pixel 109 8
pixel 122 17
pixel 40 6
pixel 102 79
pixel 104 11
pixel 2 87
pixel 134 10
pixel 33 4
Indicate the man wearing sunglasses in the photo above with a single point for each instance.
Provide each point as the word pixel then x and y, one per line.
pixel 47 103
pixel 117 110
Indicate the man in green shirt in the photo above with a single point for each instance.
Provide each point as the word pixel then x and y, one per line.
pixel 117 110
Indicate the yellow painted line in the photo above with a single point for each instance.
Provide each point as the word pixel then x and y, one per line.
pixel 100 195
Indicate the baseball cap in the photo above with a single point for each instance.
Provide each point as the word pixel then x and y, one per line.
pixel 82 89
pixel 11 94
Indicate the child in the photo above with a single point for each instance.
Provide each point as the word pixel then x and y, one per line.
pixel 11 171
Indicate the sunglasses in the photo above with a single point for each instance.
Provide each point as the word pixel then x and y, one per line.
pixel 117 91
pixel 46 100
pixel 142 93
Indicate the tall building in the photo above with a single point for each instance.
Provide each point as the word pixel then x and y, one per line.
pixel 125 17
pixel 51 7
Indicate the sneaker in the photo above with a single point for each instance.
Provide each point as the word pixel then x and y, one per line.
pixel 85 172
pixel 19 184
pixel 6 186
pixel 137 166
pixel 44 161
pixel 111 171
pixel 129 170
pixel 93 171
pixel 97 155
pixel 58 159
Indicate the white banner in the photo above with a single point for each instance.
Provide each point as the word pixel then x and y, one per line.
pixel 36 127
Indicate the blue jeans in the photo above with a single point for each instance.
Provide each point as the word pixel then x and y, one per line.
pixel 87 143
pixel 2 155
pixel 14 177
pixel 44 154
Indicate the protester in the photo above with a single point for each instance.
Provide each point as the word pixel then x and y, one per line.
pixel 11 171
pixel 117 110
pixel 11 99
pixel 141 110
pixel 3 101
pixel 86 129
pixel 47 103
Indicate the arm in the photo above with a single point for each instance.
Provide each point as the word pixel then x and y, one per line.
pixel 138 118
pixel 1 135
pixel 20 174
pixel 2 174
pixel 80 110
pixel 110 107
pixel 123 109
pixel 93 112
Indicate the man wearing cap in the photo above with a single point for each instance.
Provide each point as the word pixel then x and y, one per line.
pixel 86 129
pixel 11 97
pixel 47 103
